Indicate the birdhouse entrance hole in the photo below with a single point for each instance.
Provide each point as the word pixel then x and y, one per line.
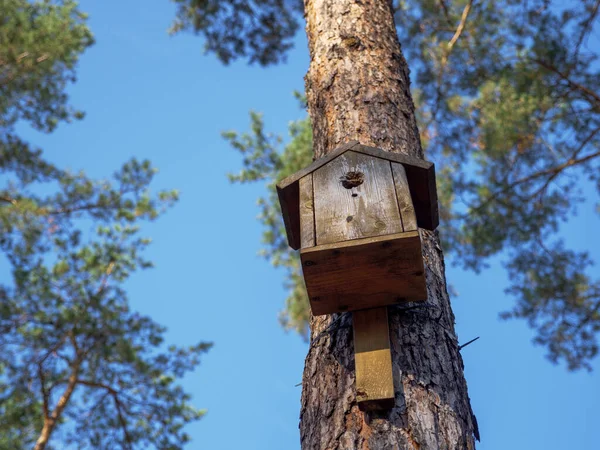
pixel 352 179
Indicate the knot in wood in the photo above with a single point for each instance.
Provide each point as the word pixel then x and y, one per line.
pixel 351 41
pixel 352 179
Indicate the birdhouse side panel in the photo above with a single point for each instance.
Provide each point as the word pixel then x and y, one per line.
pixel 405 204
pixel 354 198
pixel 307 212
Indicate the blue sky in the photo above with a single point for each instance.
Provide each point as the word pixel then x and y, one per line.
pixel 153 96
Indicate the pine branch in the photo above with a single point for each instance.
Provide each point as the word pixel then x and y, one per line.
pixel 460 347
pixel 118 404
pixel 54 417
pixel 586 28
pixel 461 25
pixel 446 12
pixel 553 171
pixel 106 276
pixel 12 201
pixel 44 391
pixel 569 81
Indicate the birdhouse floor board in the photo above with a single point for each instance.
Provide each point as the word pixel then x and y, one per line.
pixel 364 273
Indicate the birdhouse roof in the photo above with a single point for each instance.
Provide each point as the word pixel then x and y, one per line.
pixel 419 173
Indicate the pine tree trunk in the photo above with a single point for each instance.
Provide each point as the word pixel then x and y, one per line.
pixel 358 88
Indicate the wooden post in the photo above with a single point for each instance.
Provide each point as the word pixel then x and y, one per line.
pixel 373 359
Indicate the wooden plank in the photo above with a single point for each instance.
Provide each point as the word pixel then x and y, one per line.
pixel 421 179
pixel 417 163
pixel 369 209
pixel 294 178
pixel 307 212
pixel 288 191
pixel 373 359
pixel 427 207
pixel 364 273
pixel 423 192
pixel 289 200
pixel 405 205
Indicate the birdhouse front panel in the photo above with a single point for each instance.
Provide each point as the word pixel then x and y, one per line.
pixel 355 198
pixel 353 217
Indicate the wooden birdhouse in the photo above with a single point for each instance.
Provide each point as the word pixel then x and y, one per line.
pixel 354 214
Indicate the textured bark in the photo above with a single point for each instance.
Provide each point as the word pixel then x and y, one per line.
pixel 358 88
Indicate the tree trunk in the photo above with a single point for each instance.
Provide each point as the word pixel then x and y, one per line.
pixel 358 88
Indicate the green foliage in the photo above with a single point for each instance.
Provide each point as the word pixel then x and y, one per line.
pixel 508 104
pixel 263 161
pixel 259 30
pixel 515 102
pixel 40 43
pixel 65 322
pixel 76 361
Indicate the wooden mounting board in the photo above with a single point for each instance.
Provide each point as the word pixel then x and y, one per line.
pixel 373 359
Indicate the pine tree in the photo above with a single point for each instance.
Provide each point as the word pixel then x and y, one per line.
pixel 77 367
pixel 358 89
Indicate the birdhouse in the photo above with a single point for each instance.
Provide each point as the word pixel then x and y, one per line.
pixel 354 216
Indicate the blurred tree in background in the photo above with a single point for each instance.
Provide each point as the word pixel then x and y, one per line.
pixel 508 102
pixel 77 365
